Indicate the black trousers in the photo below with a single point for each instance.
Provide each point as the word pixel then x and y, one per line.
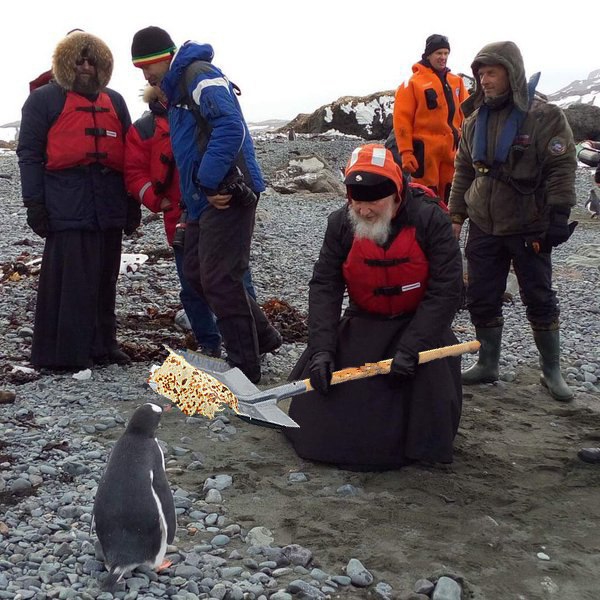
pixel 75 309
pixel 216 256
pixel 488 260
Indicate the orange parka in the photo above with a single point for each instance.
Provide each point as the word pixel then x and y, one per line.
pixel 428 121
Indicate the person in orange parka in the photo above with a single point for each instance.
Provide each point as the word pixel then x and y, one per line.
pixel 428 118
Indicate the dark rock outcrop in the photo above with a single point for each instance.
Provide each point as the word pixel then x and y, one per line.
pixel 367 117
pixel 584 120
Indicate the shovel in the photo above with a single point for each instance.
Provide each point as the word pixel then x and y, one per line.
pixel 259 407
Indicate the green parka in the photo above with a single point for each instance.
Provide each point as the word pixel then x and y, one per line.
pixel 539 171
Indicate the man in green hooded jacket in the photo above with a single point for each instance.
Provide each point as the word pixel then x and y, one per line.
pixel 515 182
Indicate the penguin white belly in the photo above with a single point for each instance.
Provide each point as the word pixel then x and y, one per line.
pixel 163 527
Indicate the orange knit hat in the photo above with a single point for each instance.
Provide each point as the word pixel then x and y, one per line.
pixel 372 174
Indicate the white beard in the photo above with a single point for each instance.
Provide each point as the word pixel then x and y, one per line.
pixel 377 231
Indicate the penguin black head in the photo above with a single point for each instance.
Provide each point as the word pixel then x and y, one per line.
pixel 145 420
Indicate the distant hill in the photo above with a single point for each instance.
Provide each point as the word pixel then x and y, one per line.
pixel 269 125
pixel 369 117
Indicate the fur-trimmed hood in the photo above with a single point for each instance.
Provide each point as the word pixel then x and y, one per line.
pixel 71 48
pixel 150 94
pixel 509 56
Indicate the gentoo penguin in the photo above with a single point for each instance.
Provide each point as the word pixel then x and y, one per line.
pixel 593 204
pixel 134 513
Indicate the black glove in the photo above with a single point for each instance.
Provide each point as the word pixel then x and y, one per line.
pixel 37 219
pixel 321 366
pixel 133 217
pixel 404 364
pixel 559 230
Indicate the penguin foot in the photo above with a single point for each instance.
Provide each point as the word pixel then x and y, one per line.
pixel 111 581
pixel 165 565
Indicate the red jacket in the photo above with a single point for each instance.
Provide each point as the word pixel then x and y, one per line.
pixel 40 80
pixel 150 171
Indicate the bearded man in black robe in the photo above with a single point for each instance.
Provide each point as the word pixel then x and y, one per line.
pixel 71 153
pixel 391 248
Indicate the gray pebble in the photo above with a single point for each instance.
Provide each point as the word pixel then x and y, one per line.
pixel 446 589
pixel 358 574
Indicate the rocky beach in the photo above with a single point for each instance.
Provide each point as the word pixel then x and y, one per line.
pixel 515 516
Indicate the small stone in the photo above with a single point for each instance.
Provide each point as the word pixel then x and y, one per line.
pixel 424 586
pixel 446 589
pixel 260 536
pixel 213 496
pixel 7 397
pixel 358 573
pixel 220 540
pixel 542 556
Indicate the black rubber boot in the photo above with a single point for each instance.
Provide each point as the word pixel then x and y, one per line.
pixel 241 342
pixel 548 345
pixel 485 370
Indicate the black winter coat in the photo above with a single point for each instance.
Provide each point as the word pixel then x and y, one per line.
pixel 87 197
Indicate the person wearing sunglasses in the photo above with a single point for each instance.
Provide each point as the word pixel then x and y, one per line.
pixel 71 157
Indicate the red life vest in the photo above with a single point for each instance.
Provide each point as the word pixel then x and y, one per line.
pixel 387 282
pixel 86 132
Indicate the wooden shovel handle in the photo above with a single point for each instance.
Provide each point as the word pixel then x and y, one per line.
pixel 383 366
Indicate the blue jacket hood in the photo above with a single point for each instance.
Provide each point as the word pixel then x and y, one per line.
pixel 187 54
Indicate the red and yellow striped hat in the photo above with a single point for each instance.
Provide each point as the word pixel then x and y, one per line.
pixel 151 45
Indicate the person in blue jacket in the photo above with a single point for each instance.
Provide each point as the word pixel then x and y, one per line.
pixel 220 185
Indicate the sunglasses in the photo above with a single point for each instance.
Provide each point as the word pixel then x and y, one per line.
pixel 90 61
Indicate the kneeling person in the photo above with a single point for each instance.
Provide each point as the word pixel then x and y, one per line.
pixel 394 252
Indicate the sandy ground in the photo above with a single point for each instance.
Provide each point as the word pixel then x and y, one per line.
pixel 515 492
pixel 515 489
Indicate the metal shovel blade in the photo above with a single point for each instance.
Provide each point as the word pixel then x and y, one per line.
pixel 255 405
pixel 260 406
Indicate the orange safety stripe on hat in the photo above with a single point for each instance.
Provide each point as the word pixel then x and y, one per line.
pixel 142 61
pixel 377 159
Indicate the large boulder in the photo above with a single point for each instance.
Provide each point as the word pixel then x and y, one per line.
pixel 367 117
pixel 309 173
pixel 584 120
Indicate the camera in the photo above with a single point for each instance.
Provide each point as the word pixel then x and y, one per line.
pixel 235 185
pixel 179 236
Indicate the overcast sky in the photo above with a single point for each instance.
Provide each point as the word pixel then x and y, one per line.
pixel 292 57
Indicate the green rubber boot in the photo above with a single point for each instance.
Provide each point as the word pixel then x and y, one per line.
pixel 548 345
pixel 485 370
